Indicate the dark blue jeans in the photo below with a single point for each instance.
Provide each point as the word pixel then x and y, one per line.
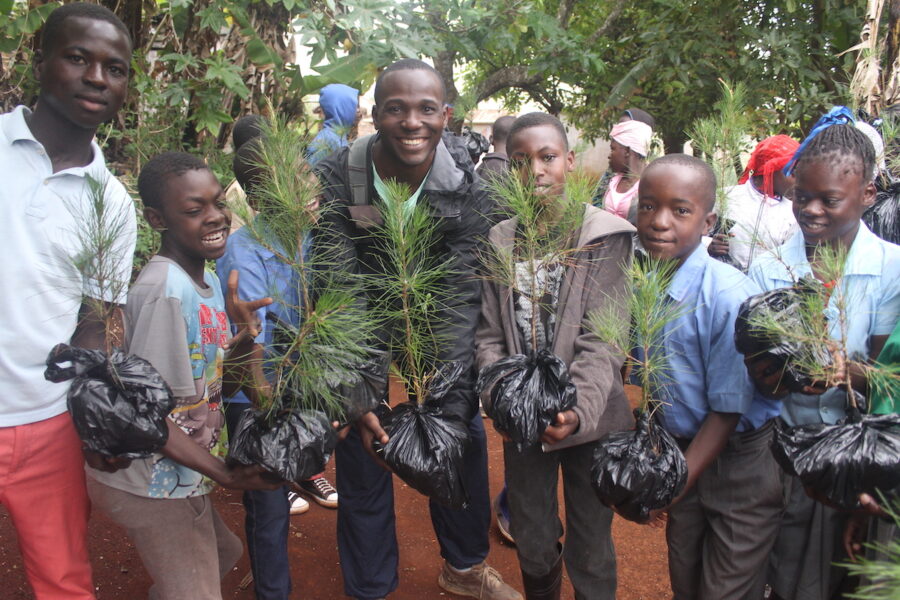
pixel 266 524
pixel 367 537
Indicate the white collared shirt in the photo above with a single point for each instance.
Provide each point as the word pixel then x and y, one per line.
pixel 760 223
pixel 42 214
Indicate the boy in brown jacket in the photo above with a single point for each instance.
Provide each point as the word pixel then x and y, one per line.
pixel 591 276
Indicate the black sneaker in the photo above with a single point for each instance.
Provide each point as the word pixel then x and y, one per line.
pixel 320 490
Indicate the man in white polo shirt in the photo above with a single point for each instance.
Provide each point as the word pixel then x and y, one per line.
pixel 47 159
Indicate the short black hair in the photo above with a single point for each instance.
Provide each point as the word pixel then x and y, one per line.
pixel 159 170
pixel 636 114
pixel 246 128
pixel 408 64
pixel 692 162
pixel 82 10
pixel 500 128
pixel 841 144
pixel 538 119
pixel 246 164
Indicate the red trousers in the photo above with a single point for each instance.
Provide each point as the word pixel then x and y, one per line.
pixel 42 486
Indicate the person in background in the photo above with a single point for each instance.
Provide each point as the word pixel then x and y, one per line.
pixel 759 207
pixel 496 161
pixel 628 147
pixel 339 104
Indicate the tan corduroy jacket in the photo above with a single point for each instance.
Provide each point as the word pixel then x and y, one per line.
pixel 594 279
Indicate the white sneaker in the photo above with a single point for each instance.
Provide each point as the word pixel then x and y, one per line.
pixel 299 505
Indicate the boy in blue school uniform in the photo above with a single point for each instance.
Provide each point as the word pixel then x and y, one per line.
pixel 720 529
pixel 834 174
pixel 262 274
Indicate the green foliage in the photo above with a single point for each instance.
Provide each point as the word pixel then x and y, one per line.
pixel 410 288
pixel 643 339
pixel 335 332
pixel 880 574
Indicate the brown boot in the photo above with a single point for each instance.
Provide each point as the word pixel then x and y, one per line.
pixel 481 581
pixel 544 587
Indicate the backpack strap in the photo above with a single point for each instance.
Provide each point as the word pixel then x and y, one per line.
pixel 364 215
pixel 358 170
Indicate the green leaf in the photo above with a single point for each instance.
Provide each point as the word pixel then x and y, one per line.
pixel 260 54
pixel 347 70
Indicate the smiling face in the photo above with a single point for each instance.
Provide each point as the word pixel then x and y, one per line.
pixel 539 156
pixel 84 74
pixel 829 200
pixel 194 218
pixel 674 211
pixel 410 116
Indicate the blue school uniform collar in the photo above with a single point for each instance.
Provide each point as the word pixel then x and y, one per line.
pixel 860 259
pixel 685 279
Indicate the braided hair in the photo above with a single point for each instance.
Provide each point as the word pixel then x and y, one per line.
pixel 840 144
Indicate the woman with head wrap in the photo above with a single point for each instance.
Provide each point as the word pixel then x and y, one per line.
pixel 628 146
pixel 760 205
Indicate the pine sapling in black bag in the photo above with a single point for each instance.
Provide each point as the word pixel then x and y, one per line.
pixel 119 403
pixel 527 392
pixel 641 470
pixel 427 444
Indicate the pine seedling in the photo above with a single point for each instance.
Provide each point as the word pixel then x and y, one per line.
pixel 721 138
pixel 101 242
pixel 411 296
pixel 643 339
pixel 821 345
pixel 544 241
pixel 310 363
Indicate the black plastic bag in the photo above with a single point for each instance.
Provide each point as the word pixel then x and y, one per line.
pixel 840 462
pixel 785 306
pixel 119 403
pixel 883 217
pixel 294 445
pixel 528 392
pixel 427 445
pixel 639 470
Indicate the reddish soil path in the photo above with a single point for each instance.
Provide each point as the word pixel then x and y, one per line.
pixel 119 575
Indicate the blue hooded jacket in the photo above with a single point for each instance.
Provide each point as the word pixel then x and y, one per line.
pixel 339 103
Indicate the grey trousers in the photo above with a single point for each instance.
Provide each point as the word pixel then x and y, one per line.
pixel 183 542
pixel 720 534
pixel 809 541
pixel 588 553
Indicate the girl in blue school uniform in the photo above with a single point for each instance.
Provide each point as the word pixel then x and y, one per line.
pixel 834 172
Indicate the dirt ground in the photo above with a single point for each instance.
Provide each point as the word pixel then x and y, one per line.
pixel 315 568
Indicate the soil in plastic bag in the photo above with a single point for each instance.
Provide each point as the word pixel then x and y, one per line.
pixel 427 445
pixel 119 403
pixel 293 445
pixel 842 461
pixel 785 306
pixel 883 217
pixel 638 471
pixel 528 392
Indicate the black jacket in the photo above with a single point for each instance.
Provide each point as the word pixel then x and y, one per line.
pixel 463 211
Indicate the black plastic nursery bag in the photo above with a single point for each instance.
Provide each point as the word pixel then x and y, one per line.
pixel 293 444
pixel 638 471
pixel 119 403
pixel 427 445
pixel 840 462
pixel 784 305
pixel 528 392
